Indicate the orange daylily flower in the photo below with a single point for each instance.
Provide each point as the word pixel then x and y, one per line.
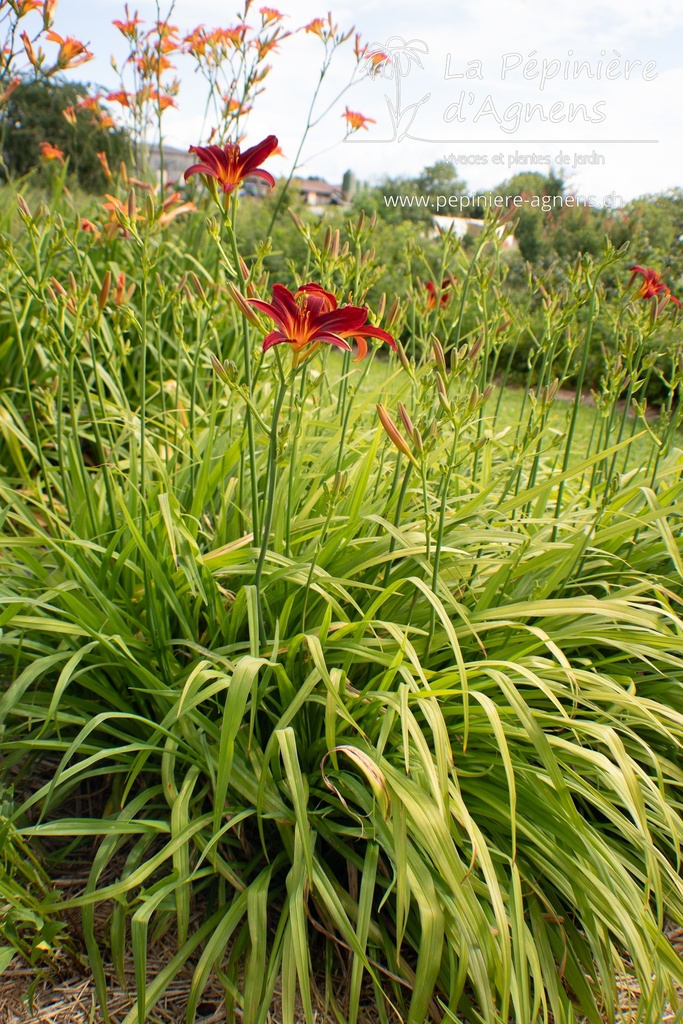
pixel 24 6
pixel 310 317
pixel 356 120
pixel 128 27
pixel 4 96
pixel 70 114
pixel 121 97
pixel 102 157
pixel 71 51
pixel 50 152
pixel 270 14
pixel 229 166
pixel 89 227
pixel 316 27
pixel 28 46
pixel 170 212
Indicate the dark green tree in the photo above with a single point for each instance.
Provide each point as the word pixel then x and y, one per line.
pixel 35 114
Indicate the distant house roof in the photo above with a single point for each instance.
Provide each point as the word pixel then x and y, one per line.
pixel 320 192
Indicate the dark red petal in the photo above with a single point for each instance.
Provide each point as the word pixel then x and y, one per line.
pixel 260 173
pixel 377 332
pixel 274 338
pixel 199 169
pixel 252 157
pixel 326 300
pixel 270 311
pixel 285 301
pixel 344 320
pixel 330 339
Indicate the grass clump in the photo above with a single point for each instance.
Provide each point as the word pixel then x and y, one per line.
pixel 398 697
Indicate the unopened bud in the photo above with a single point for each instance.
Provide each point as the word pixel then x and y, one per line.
pixel 476 348
pixel 220 369
pixel 104 291
pixel 196 284
pixel 393 313
pixel 334 245
pixel 439 357
pixel 405 417
pixel 442 394
pixel 393 432
pixel 23 207
pixel 132 206
pixel 247 311
pixel 405 363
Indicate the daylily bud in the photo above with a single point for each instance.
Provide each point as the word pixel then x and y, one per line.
pixel 327 240
pixel 393 433
pixel 393 313
pixel 23 207
pixel 29 49
pixel 220 369
pixel 196 284
pixel 407 422
pixel 439 357
pixel 104 291
pixel 242 304
pixel 123 171
pixel 381 305
pixel 552 389
pixel 132 207
pixel 405 363
pixel 297 220
pixel 361 221
pixel 442 395
pixel 334 246
pixel 57 286
pixel 73 288
pixel 244 270
pixel 476 348
pixel 503 326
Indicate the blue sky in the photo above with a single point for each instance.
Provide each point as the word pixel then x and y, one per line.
pixel 497 122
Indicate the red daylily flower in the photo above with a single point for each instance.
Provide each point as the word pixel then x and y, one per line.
pixel 310 317
pixel 443 292
pixel 652 284
pixel 229 166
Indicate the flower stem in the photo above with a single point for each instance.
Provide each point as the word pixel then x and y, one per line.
pixel 270 494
